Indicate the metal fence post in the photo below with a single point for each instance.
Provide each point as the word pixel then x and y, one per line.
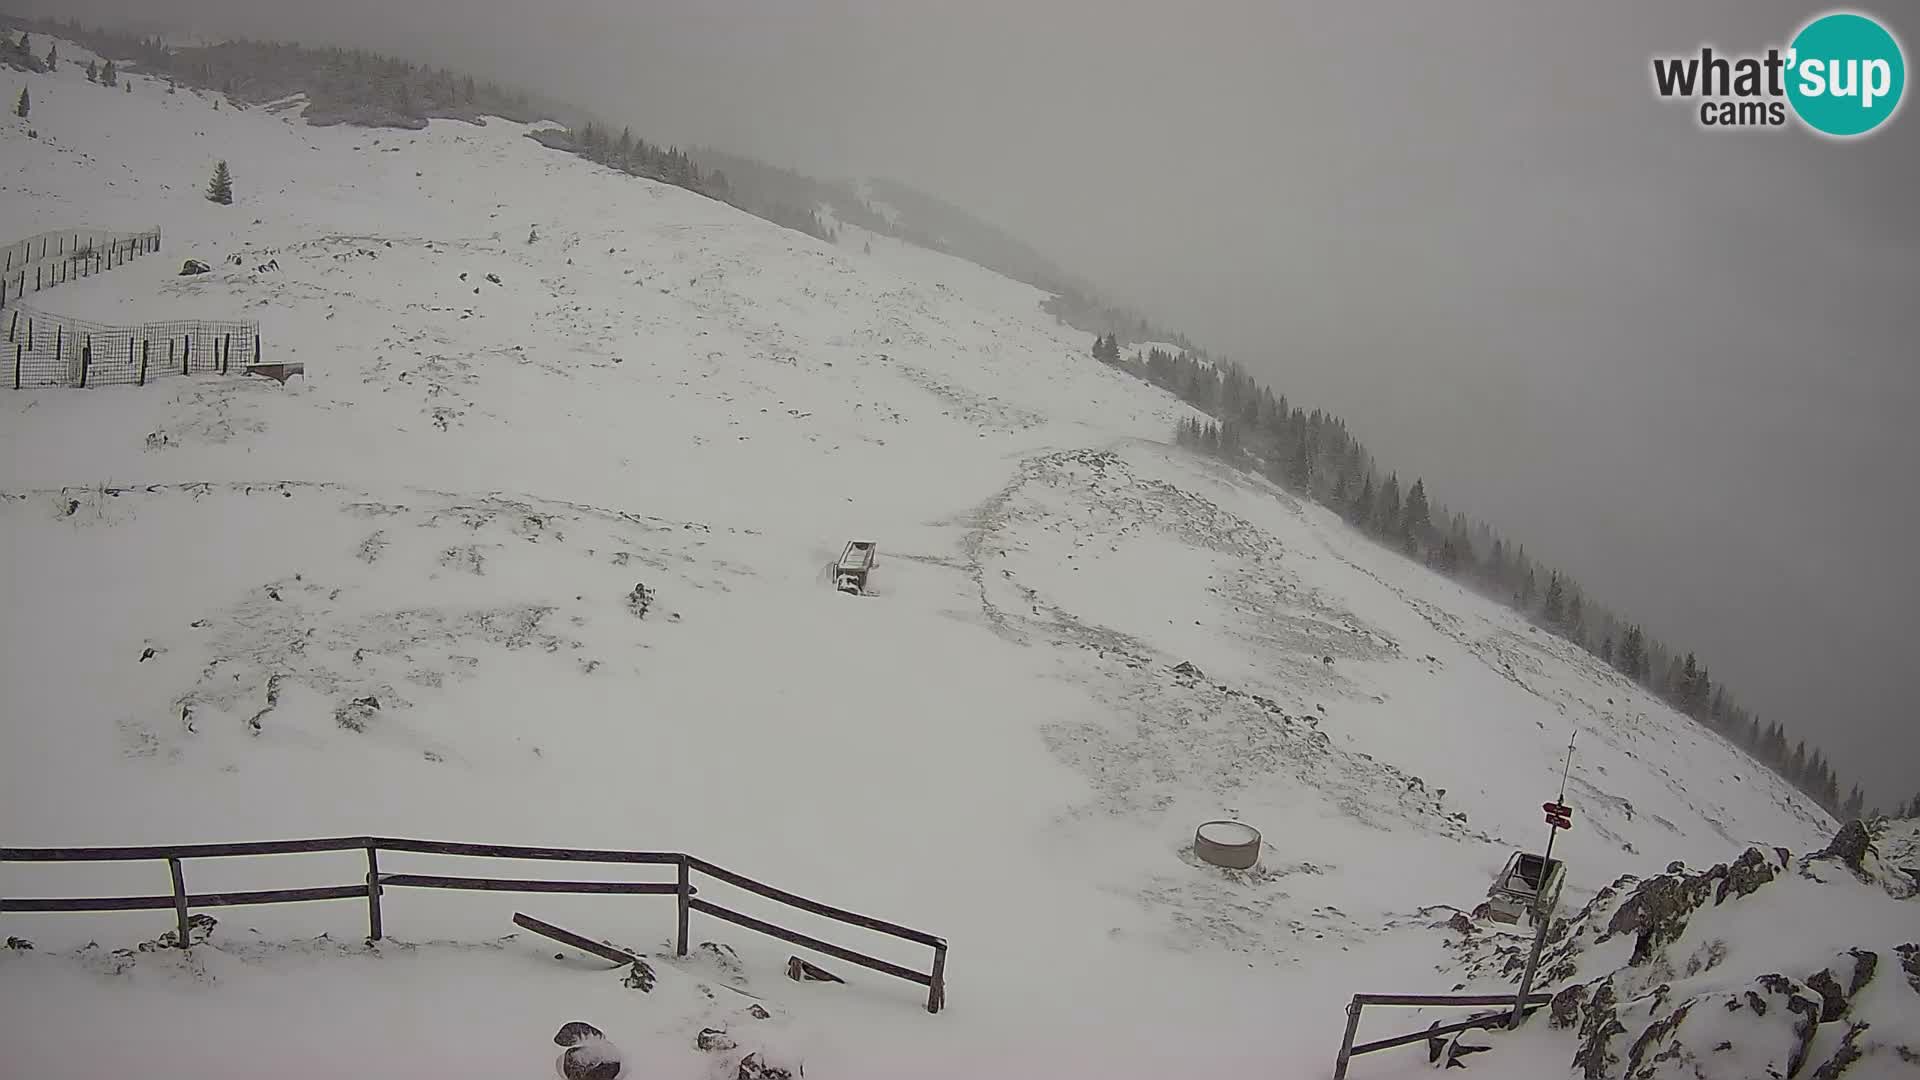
pixel 373 893
pixel 1346 1042
pixel 179 898
pixel 86 361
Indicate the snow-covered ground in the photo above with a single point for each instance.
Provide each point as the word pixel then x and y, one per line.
pixel 450 511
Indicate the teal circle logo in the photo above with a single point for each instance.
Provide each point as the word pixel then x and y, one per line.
pixel 1845 74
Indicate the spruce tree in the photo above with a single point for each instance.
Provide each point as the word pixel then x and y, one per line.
pixel 108 77
pixel 1553 607
pixel 53 55
pixel 1416 522
pixel 221 189
pixel 93 71
pixel 24 105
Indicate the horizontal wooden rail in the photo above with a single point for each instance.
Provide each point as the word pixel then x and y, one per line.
pixel 813 943
pixel 435 881
pixel 183 851
pixel 194 900
pixel 509 851
pixel 1493 1019
pixel 805 904
pixel 1440 999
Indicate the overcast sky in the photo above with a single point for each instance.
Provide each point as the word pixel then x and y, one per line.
pixel 1683 364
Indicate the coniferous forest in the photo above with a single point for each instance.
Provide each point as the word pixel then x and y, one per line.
pixel 1315 456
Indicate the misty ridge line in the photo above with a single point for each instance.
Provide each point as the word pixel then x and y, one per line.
pixel 1311 454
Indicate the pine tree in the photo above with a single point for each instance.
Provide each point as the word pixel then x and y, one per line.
pixel 1416 522
pixel 24 105
pixel 1553 607
pixel 221 189
pixel 108 77
pixel 93 71
pixel 1524 598
pixel 1852 808
pixel 53 55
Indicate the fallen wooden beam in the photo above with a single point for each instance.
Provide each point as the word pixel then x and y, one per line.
pixel 612 955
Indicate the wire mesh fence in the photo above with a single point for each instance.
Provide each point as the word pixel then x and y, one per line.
pixel 55 350
pixel 55 258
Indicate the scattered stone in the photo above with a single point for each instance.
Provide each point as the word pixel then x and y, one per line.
pixel 1748 872
pixel 1844 1056
pixel 590 1059
pixel 1865 963
pixel 753 1068
pixel 194 266
pixel 19 944
pixel 1187 668
pixel 714 1040
pixel 495 278
pixel 639 600
pixel 755 1011
pixel 800 971
pixel 1460 922
pixel 574 1031
pixel 355 715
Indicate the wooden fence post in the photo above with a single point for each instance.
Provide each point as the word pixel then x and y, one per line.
pixel 686 894
pixel 186 355
pixel 12 325
pixel 1346 1044
pixel 17 347
pixel 179 898
pixel 373 893
pixel 145 348
pixel 58 331
pixel 86 361
pixel 937 989
pixel 229 354
pixel 256 348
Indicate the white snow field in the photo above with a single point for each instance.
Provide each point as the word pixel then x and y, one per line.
pixel 449 512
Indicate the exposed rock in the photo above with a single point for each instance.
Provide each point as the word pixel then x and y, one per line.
pixel 1461 923
pixel 757 1012
pixel 1748 872
pixel 1657 1033
pixel 1566 1006
pixel 194 266
pixel 575 1030
pixel 19 944
pixel 1846 1055
pixel 1910 963
pixel 753 1067
pixel 355 715
pixel 714 1040
pixel 591 1058
pixel 1850 845
pixel 1657 912
pixel 1594 1059
pixel 1833 1000
pixel 1865 963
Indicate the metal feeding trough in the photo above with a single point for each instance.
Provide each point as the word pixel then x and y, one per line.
pixel 1231 844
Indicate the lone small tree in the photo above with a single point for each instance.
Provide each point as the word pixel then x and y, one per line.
pixel 53 55
pixel 93 71
pixel 108 77
pixel 221 189
pixel 24 105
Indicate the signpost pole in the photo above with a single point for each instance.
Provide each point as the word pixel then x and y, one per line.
pixel 1541 912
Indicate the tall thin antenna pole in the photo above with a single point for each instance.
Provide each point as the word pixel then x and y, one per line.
pixel 1540 910
pixel 1552 831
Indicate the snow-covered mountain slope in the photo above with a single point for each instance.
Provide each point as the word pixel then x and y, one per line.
pixel 450 512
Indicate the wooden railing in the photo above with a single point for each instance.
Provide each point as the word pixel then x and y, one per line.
pixel 682 888
pixel 1361 1001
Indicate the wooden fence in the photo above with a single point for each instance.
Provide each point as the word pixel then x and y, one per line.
pixel 55 258
pixel 1360 1001
pixel 682 888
